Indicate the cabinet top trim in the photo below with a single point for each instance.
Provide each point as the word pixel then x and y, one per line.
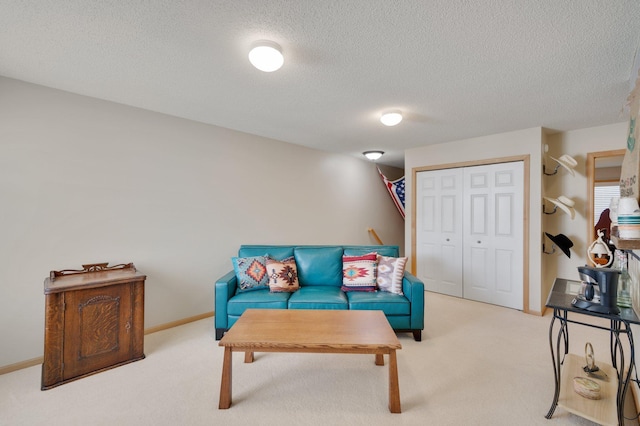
pixel 95 274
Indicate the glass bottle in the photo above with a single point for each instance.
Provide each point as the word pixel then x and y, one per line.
pixel 624 281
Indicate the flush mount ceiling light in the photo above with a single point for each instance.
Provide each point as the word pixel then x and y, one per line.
pixel 266 56
pixel 373 155
pixel 391 118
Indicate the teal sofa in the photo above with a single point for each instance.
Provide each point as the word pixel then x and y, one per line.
pixel 320 277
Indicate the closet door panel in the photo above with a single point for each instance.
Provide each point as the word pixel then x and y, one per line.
pixel 476 286
pixel 508 190
pixel 493 224
pixel 477 225
pixel 504 215
pixel 439 230
pixel 428 260
pixel 428 265
pixel 428 214
pixel 478 221
pixel 450 279
pixel 448 214
pixel 504 271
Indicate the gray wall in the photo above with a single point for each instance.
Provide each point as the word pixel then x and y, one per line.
pixel 85 181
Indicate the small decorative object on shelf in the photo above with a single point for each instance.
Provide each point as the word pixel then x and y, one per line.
pixel 599 253
pixel 628 218
pixel 591 368
pixel 586 387
pixel 589 358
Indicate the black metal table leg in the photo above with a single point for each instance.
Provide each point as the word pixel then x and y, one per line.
pixel 623 379
pixel 563 335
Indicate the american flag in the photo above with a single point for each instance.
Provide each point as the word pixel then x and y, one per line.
pixel 396 190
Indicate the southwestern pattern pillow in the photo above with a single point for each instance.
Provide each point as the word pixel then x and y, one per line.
pixel 390 273
pixel 283 275
pixel 359 272
pixel 251 272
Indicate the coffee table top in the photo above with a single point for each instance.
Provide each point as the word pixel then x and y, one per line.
pixel 311 329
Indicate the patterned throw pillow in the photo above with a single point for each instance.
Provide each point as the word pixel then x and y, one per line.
pixel 390 273
pixel 283 275
pixel 251 272
pixel 359 272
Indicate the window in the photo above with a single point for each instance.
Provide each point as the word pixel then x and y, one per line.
pixel 602 195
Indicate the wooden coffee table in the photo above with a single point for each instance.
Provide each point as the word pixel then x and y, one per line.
pixel 311 331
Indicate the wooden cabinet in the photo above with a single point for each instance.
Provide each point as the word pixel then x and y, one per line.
pixel 94 320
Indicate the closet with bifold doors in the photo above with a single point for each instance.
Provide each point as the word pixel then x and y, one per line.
pixel 470 232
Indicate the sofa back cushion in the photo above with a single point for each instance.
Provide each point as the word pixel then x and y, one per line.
pixel 390 251
pixel 319 265
pixel 276 252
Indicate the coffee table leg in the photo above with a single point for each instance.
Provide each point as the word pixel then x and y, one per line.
pixel 248 357
pixel 225 383
pixel 394 386
pixel 379 359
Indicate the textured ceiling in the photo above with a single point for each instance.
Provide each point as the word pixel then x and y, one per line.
pixel 457 68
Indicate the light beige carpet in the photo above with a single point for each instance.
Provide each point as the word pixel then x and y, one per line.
pixel 478 364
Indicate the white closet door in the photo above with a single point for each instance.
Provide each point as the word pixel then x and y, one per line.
pixel 493 217
pixel 439 230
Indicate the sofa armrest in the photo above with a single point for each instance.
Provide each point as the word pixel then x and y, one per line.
pixel 413 290
pixel 225 289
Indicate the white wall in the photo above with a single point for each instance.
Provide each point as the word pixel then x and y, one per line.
pixel 576 143
pixel 84 181
pixel 524 142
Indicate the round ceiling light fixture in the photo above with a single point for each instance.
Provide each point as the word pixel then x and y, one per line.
pixel 266 55
pixel 373 155
pixel 391 118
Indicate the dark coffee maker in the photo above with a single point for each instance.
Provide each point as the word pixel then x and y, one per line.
pixel 606 281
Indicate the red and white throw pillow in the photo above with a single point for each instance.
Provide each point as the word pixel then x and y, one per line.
pixel 359 272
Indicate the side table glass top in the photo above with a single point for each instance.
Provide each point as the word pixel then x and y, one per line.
pixel 564 291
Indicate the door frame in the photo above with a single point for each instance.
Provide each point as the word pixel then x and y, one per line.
pixel 526 204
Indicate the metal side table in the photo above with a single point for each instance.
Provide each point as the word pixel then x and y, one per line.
pixel 601 411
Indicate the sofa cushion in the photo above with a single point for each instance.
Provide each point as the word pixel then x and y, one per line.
pixel 390 272
pixel 318 297
pixel 359 272
pixel 389 303
pixel 283 275
pixel 251 272
pixel 259 299
pixel 277 252
pixel 321 265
